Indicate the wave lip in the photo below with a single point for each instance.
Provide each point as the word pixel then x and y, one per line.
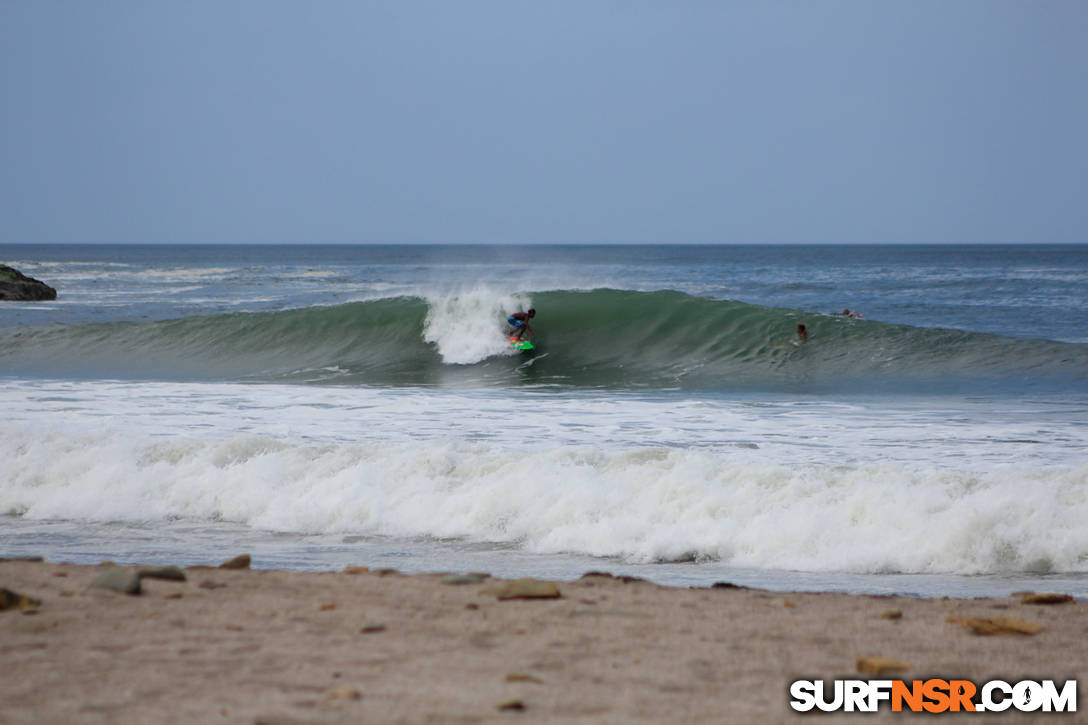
pixel 599 338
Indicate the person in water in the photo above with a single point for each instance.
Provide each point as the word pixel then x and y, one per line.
pixel 802 332
pixel 520 322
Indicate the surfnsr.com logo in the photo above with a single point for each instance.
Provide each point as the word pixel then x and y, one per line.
pixel 933 696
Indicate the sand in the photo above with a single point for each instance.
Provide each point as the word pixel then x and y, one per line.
pixel 259 646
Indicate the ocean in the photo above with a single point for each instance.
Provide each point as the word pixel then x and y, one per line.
pixel 318 406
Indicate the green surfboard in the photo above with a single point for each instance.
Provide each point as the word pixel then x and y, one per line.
pixel 520 344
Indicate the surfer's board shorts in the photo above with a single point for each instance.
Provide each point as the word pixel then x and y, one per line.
pixel 515 323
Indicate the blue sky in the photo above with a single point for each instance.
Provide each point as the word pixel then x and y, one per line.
pixel 527 121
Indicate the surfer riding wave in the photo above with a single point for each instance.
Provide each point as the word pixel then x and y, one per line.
pixel 519 321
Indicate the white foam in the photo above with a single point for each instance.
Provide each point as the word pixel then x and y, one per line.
pixel 468 326
pixel 926 486
pixel 642 504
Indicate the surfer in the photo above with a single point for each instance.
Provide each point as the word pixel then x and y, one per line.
pixel 802 332
pixel 520 322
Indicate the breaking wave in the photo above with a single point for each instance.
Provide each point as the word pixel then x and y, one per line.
pixel 601 338
pixel 648 504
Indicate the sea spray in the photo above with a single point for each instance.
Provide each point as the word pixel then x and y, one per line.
pixel 467 327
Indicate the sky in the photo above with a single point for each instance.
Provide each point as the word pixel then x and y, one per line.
pixel 562 121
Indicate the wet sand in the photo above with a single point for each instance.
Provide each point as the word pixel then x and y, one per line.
pixel 259 646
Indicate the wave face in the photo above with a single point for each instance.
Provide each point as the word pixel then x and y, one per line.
pixel 649 504
pixel 601 338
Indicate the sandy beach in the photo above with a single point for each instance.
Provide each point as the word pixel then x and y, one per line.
pixel 259 646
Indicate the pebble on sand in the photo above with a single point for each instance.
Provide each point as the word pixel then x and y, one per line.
pixel 878 666
pixel 344 692
pixel 239 562
pixel 461 579
pixel 167 573
pixel 15 600
pixel 513 703
pixel 1047 599
pixel 996 625
pixel 525 589
pixel 119 579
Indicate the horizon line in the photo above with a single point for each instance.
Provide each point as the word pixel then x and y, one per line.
pixel 552 244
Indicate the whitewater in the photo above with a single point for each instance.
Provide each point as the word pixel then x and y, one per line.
pixel 324 406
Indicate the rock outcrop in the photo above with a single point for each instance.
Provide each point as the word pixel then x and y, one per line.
pixel 14 285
